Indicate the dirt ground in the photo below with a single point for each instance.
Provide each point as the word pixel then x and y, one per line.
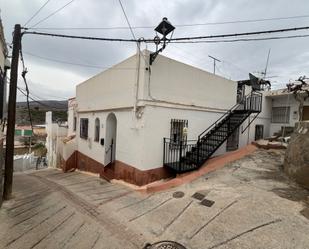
pixel 249 203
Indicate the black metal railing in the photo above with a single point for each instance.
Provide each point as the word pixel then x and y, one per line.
pixel 251 102
pixel 186 155
pixel 173 154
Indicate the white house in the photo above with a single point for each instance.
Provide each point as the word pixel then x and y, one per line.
pixel 120 117
pixel 285 109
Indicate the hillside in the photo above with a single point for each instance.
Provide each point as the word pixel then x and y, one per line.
pixel 38 110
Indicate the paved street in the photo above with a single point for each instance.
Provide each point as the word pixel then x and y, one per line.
pixel 254 206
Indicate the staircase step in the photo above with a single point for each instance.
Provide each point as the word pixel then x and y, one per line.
pixel 192 161
pixel 202 154
pixel 213 137
pixel 212 141
pixel 181 167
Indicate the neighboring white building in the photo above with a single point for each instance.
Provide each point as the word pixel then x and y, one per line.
pixel 284 109
pixel 119 118
pixel 56 132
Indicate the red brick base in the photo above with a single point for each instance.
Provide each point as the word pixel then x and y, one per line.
pixel 69 164
pixel 117 170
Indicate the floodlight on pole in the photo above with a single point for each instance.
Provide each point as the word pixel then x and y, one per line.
pixel 164 28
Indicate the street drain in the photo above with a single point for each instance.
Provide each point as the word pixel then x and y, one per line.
pixel 207 203
pixel 198 196
pixel 178 194
pixel 164 245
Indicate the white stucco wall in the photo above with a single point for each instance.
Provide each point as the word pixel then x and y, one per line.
pixel 263 118
pixel 173 81
pixel 157 126
pixel 2 57
pixel 179 91
pixel 113 88
pixel 68 148
pixel 72 106
pixel 129 140
pixel 284 101
pixel 54 144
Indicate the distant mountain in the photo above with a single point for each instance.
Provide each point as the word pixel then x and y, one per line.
pixel 47 104
pixel 38 110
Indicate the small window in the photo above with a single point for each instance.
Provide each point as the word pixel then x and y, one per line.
pixel 178 130
pixel 84 128
pixel 74 123
pixel 97 130
pixel 280 115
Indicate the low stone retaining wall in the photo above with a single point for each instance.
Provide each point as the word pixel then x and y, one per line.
pixel 296 161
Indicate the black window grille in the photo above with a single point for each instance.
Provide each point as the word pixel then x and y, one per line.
pixel 84 128
pixel 280 114
pixel 74 123
pixel 97 130
pixel 178 131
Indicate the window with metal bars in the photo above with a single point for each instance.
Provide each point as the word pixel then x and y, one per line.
pixel 280 114
pixel 178 131
pixel 84 128
pixel 97 130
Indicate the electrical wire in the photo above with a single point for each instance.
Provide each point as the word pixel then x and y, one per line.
pixel 138 42
pixel 32 95
pixel 53 13
pixel 79 37
pixel 242 39
pixel 56 98
pixel 241 34
pixel 23 74
pixel 39 101
pixel 184 39
pixel 36 13
pixel 76 64
pixel 127 19
pixel 178 25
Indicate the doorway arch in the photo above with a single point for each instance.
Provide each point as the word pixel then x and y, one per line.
pixel 110 139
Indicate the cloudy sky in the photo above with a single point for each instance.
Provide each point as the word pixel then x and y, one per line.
pixel 50 79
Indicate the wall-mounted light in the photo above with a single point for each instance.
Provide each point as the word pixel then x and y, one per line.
pixel 164 28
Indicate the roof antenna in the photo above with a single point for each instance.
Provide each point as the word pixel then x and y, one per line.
pixel 267 61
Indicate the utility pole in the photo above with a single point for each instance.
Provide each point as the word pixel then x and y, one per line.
pixel 215 59
pixel 9 160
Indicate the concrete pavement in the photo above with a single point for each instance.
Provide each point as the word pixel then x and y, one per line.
pixel 255 206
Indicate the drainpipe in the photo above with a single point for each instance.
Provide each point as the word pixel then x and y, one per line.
pixel 137 76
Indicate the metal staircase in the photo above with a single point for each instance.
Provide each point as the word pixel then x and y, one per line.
pixel 187 155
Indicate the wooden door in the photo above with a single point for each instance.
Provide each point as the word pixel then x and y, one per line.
pixel 305 113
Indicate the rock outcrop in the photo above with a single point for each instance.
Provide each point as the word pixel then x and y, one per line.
pixel 296 161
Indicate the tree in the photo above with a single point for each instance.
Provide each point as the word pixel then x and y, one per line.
pixel 300 93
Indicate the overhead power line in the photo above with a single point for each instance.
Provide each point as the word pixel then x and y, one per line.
pixel 241 34
pixel 244 39
pixel 178 25
pixel 81 37
pixel 127 19
pixel 172 39
pixel 36 13
pixel 24 72
pixel 78 64
pixel 53 13
pixel 39 101
pixel 132 33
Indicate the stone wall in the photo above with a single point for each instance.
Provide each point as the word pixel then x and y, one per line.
pixel 296 162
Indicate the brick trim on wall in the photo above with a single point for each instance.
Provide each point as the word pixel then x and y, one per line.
pixel 117 170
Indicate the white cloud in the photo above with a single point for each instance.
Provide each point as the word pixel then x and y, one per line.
pixel 289 58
